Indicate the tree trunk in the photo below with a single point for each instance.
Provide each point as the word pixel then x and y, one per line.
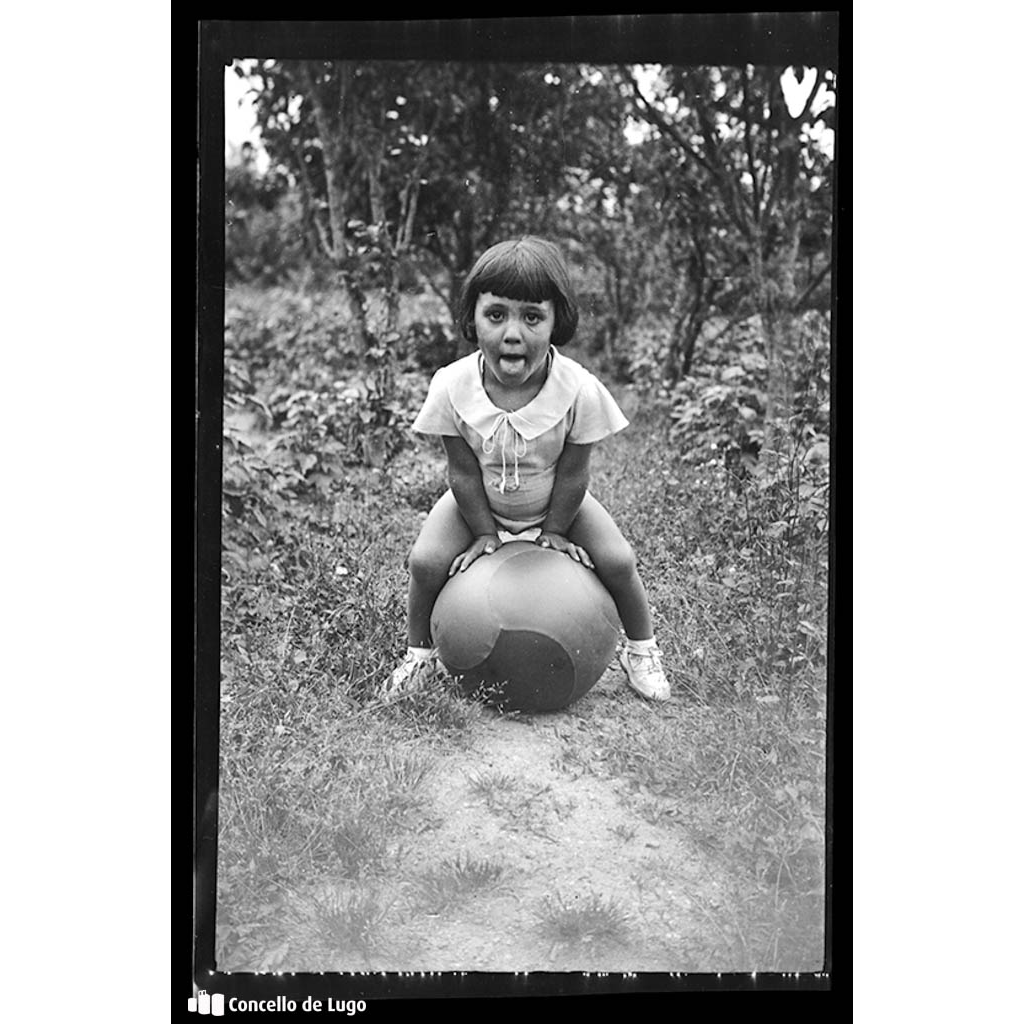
pixel 332 124
pixel 670 368
pixel 776 300
pixel 378 214
pixel 764 293
pixel 688 322
pixel 693 329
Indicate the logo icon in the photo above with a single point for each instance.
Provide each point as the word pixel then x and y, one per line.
pixel 206 1003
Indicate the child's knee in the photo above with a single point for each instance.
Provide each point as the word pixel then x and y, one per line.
pixel 428 565
pixel 616 564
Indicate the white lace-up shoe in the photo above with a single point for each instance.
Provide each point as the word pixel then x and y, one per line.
pixel 411 674
pixel 644 673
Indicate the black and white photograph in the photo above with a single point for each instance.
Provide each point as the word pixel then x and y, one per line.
pixel 521 562
pixel 516 433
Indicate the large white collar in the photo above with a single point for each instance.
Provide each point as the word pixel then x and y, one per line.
pixel 552 402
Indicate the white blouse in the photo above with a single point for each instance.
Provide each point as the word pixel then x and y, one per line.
pixel 518 451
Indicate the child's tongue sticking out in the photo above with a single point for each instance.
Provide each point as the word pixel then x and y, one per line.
pixel 511 364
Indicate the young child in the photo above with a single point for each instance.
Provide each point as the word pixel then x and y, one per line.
pixel 518 419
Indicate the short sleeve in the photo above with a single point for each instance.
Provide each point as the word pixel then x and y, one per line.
pixel 595 414
pixel 437 415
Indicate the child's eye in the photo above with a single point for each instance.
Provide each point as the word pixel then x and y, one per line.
pixel 494 315
pixel 533 319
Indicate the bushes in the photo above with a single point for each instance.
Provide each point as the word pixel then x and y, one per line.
pixel 264 246
pixel 293 367
pixel 773 509
pixel 263 224
pixel 718 412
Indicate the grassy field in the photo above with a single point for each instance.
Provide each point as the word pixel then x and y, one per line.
pixel 322 785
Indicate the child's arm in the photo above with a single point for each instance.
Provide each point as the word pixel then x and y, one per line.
pixel 467 485
pixel 572 477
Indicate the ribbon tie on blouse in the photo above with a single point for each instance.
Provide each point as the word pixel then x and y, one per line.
pixel 510 438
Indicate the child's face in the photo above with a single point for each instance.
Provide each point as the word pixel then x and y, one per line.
pixel 513 336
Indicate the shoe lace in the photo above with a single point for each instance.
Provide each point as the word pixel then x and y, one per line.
pixel 415 664
pixel 650 659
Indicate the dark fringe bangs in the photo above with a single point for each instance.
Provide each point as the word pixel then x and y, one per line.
pixel 517 277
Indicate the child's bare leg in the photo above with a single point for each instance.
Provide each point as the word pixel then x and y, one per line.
pixel 443 536
pixel 595 531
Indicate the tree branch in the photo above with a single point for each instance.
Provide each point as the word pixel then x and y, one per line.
pixel 815 281
pixel 407 214
pixel 737 318
pixel 310 194
pixel 325 242
pixel 748 143
pixel 331 146
pixel 726 184
pixel 787 162
pixel 812 95
pixel 655 117
pixel 374 187
pixel 429 282
pixel 434 246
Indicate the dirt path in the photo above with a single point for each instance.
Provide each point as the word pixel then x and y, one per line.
pixel 564 840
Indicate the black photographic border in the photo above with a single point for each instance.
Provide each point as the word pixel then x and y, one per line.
pixel 810 38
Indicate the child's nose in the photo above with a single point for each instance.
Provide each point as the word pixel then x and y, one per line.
pixel 513 331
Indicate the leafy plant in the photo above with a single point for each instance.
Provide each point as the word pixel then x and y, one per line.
pixel 322 401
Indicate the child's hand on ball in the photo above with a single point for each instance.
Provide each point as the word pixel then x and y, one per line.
pixel 486 545
pixel 557 542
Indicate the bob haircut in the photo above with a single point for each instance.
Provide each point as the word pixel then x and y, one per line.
pixel 528 269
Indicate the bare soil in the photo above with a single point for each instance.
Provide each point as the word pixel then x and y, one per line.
pixel 517 797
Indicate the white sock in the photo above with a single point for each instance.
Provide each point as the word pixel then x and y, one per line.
pixel 421 653
pixel 640 646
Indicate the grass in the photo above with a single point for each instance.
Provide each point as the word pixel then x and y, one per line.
pixel 436 710
pixel 576 921
pixel 627 833
pixel 351 922
pixel 494 787
pixel 520 803
pixel 737 760
pixel 455 880
pixel 312 788
pixel 321 783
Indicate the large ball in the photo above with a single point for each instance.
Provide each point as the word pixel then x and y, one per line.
pixel 531 626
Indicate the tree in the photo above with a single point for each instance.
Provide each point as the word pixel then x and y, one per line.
pixel 731 131
pixel 334 126
pixel 425 162
pixel 506 136
pixel 695 189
